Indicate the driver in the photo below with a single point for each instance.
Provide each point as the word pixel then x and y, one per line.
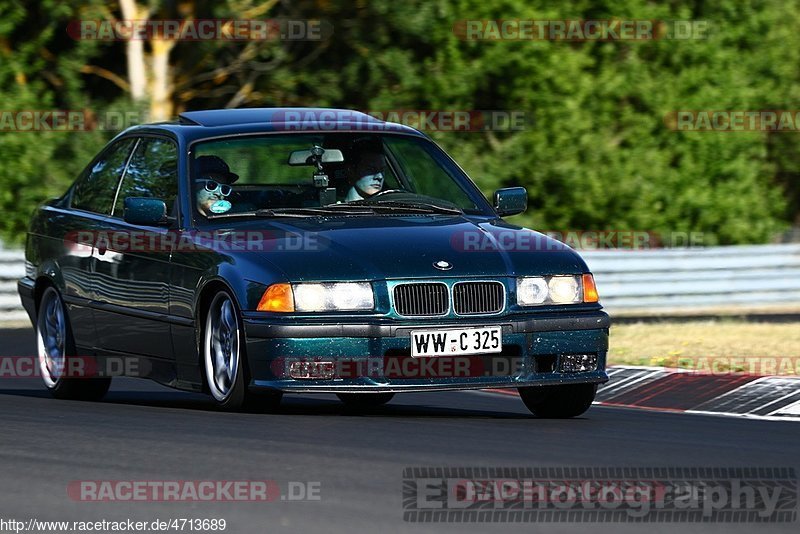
pixel 213 185
pixel 366 178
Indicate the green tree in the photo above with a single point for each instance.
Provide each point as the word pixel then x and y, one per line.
pixel 597 154
pixel 39 71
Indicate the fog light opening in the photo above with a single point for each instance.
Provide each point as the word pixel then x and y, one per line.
pixel 577 363
pixel 311 370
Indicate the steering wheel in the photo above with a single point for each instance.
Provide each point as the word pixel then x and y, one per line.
pixel 386 192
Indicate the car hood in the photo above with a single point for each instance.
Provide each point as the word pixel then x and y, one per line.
pixel 402 247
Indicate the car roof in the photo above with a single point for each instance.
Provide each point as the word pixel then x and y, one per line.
pixel 196 125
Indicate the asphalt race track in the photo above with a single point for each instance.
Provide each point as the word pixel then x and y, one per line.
pixel 146 432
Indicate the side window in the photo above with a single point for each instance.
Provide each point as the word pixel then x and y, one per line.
pixel 95 189
pixel 427 172
pixel 152 172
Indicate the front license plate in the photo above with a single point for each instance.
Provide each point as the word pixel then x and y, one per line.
pixel 456 342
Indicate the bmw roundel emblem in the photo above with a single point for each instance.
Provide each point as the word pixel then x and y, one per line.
pixel 443 265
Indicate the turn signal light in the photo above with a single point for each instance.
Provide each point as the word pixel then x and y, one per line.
pixel 589 289
pixel 277 298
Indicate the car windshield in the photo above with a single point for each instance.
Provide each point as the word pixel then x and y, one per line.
pixel 323 173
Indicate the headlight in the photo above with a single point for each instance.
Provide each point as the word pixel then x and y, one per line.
pixel 564 289
pixel 531 291
pixel 561 289
pixel 334 296
pixel 345 296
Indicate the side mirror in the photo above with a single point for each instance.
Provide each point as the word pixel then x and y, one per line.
pixel 145 211
pixel 510 201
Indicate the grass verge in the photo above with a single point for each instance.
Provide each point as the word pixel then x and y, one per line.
pixel 713 345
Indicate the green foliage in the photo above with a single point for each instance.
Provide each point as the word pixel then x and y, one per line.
pixel 596 153
pixel 39 72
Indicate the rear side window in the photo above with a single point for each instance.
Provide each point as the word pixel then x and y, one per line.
pixel 152 173
pixel 95 189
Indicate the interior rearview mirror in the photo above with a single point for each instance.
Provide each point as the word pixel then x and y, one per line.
pixel 309 156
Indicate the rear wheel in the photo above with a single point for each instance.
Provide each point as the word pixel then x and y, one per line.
pixel 63 372
pixel 225 361
pixel 365 400
pixel 558 402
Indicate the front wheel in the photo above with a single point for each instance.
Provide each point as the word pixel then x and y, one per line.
pixel 558 402
pixel 63 372
pixel 226 370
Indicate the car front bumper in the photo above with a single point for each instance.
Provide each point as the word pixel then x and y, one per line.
pixel 374 356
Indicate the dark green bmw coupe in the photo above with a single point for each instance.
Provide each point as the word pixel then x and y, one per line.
pixel 250 253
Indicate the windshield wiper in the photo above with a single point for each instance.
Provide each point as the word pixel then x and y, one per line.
pixel 284 212
pixel 411 205
pixel 351 208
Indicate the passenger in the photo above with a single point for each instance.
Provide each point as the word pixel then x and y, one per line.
pixel 213 184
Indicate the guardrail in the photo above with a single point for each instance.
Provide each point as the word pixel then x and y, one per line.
pixel 641 282
pixel 697 280
pixel 12 268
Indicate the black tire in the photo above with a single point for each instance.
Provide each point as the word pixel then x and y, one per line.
pixel 234 394
pixel 558 402
pixel 365 400
pixel 60 386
